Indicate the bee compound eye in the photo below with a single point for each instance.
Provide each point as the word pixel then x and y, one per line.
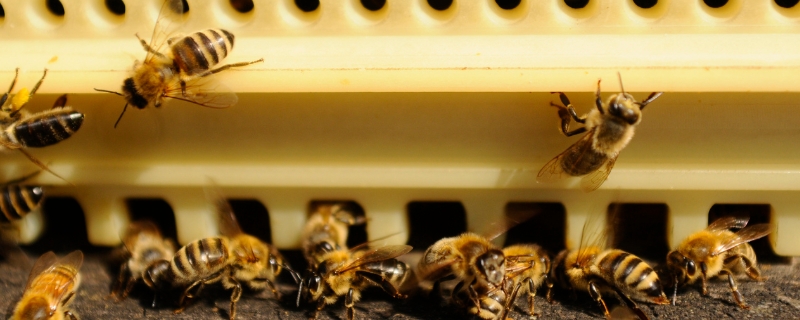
pixel 691 268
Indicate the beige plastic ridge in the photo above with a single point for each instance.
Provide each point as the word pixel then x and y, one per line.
pixel 410 104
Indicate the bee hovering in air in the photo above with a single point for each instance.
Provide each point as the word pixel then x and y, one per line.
pixel 143 245
pixel 51 287
pixel 527 265
pixel 600 271
pixel 19 200
pixel 608 130
pixel 326 230
pixel 347 272
pixel 231 259
pixel 21 130
pixel 176 70
pixel 717 251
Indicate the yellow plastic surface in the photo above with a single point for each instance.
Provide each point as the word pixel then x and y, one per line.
pixel 411 104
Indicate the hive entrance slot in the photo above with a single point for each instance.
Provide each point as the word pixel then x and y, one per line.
pixel 508 4
pixel 576 4
pixel 2 11
pixel 440 5
pixel 64 227
pixel 253 218
pixel 758 213
pixel 430 221
pixel 55 7
pixel 545 227
pixel 156 210
pixel 307 5
pixel 116 6
pixel 645 4
pixel 715 3
pixel 786 3
pixel 242 6
pixel 373 5
pixel 639 228
pixel 357 234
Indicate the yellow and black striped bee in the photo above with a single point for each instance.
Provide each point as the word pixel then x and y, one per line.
pixel 488 302
pixel 714 251
pixel 347 272
pixel 21 130
pixel 19 200
pixel 233 259
pixel 527 265
pixel 600 271
pixel 326 231
pixel 172 72
pixel 608 129
pixel 143 245
pixel 51 287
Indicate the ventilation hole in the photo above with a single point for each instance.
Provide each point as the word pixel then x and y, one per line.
pixel 64 227
pixel 243 6
pixel 253 218
pixel 758 213
pixel 156 210
pixel 715 3
pixel 55 7
pixel 116 6
pixel 307 5
pixel 184 7
pixel 546 227
pixel 786 3
pixel 431 221
pixel 373 5
pixel 2 11
pixel 576 4
pixel 508 4
pixel 639 228
pixel 356 234
pixel 440 5
pixel 645 4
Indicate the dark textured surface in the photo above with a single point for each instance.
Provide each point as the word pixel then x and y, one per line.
pixel 777 298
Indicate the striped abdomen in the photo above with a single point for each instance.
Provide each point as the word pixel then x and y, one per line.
pixel 202 50
pixel 491 303
pixel 737 265
pixel 200 259
pixel 631 275
pixel 18 201
pixel 45 128
pixel 393 270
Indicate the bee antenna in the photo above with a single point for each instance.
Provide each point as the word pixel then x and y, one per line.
pixel 300 292
pixel 620 83
pixel 108 91
pixel 120 115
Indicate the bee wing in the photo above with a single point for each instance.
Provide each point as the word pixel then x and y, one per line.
pixel 554 169
pixel 169 18
pixel 725 223
pixel 206 92
pixel 228 225
pixel 137 228
pixel 592 181
pixel 742 236
pixel 374 255
pixel 593 236
pixel 72 261
pixel 44 262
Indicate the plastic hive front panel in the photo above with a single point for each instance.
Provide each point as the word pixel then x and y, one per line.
pixel 408 103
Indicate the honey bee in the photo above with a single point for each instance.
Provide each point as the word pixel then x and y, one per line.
pixel 527 265
pixel 175 71
pixel 608 129
pixel 21 130
pixel 18 200
pixel 601 271
pixel 51 287
pixel 326 231
pixel 143 245
pixel 716 250
pixel 231 259
pixel 348 272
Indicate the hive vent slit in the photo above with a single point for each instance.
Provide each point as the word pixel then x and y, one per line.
pixel 64 227
pixel 576 4
pixel 786 3
pixel 357 234
pixel 639 228
pixel 307 5
pixel 253 218
pixel 545 227
pixel 55 7
pixel 758 213
pixel 156 210
pixel 242 6
pixel 430 221
pixel 116 7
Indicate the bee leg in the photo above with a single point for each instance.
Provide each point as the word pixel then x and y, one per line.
pixel 349 304
pixel 531 296
pixel 275 292
pixel 631 304
pixel 594 292
pixel 320 306
pixel 703 282
pixel 36 87
pixel 649 99
pixel 60 102
pixel 750 269
pixel 385 284
pixel 128 288
pixel 187 294
pixel 70 315
pixel 598 102
pixel 149 49
pixel 510 302
pixel 228 66
pixel 11 88
pixel 121 279
pixel 549 284
pixel 736 294
pixel 235 296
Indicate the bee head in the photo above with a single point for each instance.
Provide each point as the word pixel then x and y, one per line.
pixel 623 106
pixel 157 274
pixel 492 265
pixel 681 267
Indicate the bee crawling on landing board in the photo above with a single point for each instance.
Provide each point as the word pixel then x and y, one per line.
pixel 714 251
pixel 51 287
pixel 175 71
pixel 143 245
pixel 327 230
pixel 527 265
pixel 608 130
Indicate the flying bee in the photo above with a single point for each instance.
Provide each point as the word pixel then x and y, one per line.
pixel 21 130
pixel 51 286
pixel 716 250
pixel 608 129
pixel 348 272
pixel 326 231
pixel 601 271
pixel 174 72
pixel 527 265
pixel 19 200
pixel 143 245
pixel 232 259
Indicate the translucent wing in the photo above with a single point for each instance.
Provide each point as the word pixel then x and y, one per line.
pixel 170 17
pixel 742 236
pixel 72 262
pixel 138 228
pixel 436 270
pixel 375 255
pixel 228 226
pixel 554 169
pixel 726 223
pixel 593 238
pixel 44 262
pixel 594 180
pixel 206 92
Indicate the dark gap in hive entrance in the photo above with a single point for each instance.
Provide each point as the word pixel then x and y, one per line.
pixel 156 210
pixel 430 221
pixel 64 228
pixel 545 227
pixel 253 218
pixel 639 228
pixel 307 5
